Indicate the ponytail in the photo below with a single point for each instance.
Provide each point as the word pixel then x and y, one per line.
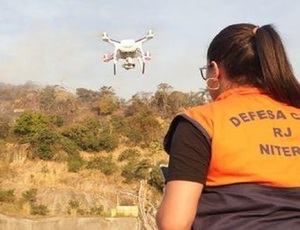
pixel 276 70
pixel 255 56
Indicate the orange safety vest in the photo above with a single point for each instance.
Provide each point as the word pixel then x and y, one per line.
pixel 254 139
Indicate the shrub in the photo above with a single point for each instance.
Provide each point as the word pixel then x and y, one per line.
pixel 79 134
pixel 142 128
pixel 74 207
pixel 75 163
pixel 129 154
pixel 74 204
pixel 7 195
pixel 142 169
pixel 105 164
pixel 98 210
pixel 108 141
pixel 136 170
pixel 156 179
pixel 128 171
pixel 30 195
pixel 39 209
pixel 30 124
pixel 44 152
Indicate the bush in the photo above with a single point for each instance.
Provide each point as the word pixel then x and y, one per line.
pixel 129 155
pixel 79 134
pixel 74 207
pixel 74 204
pixel 97 210
pixel 92 136
pixel 105 164
pixel 75 163
pixel 156 179
pixel 108 142
pixel 142 169
pixel 68 145
pixel 142 128
pixel 128 171
pixel 40 131
pixel 44 152
pixel 30 195
pixel 28 125
pixel 7 195
pixel 39 209
pixel 136 171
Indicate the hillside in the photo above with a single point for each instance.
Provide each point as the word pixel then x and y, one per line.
pixel 84 154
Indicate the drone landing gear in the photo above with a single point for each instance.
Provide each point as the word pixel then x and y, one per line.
pixel 143 69
pixel 115 69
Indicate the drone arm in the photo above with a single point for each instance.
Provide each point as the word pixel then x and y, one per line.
pixel 108 57
pixel 107 39
pixel 148 37
pixel 144 39
pixel 111 41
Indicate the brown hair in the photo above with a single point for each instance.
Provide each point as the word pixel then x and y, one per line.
pixel 256 56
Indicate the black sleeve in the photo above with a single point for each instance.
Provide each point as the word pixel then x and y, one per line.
pixel 189 152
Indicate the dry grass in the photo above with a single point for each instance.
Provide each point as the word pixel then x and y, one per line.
pixel 56 186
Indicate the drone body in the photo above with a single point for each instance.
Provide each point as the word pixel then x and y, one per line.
pixel 128 50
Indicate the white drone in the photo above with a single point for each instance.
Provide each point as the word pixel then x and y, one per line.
pixel 128 50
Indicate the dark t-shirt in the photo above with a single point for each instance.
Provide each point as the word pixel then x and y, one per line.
pixel 190 154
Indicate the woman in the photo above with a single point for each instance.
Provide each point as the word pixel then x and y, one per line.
pixel 235 163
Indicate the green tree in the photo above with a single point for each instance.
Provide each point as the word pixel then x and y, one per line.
pixel 47 99
pixel 91 135
pixel 161 99
pixel 29 124
pixel 138 102
pixel 44 141
pixel 41 131
pixel 108 101
pixel 86 95
pixel 142 128
pixel 177 101
pixel 82 136
pixel 198 98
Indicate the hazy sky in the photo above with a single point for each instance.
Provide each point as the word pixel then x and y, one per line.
pixel 58 41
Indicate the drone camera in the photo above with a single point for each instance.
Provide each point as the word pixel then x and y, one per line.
pixel 128 66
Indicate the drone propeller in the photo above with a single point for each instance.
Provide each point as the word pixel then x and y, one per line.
pixel 147 56
pixel 150 34
pixel 105 37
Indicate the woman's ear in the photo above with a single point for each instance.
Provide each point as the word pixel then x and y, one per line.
pixel 215 70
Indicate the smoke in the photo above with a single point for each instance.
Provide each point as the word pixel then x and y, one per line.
pixel 50 57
